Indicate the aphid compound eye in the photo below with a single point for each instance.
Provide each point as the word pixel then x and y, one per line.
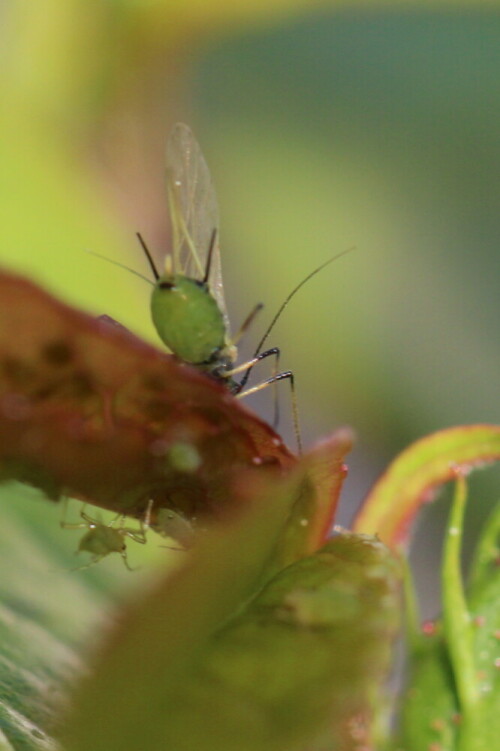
pixel 166 285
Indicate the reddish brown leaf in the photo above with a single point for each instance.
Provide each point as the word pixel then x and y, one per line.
pixel 89 410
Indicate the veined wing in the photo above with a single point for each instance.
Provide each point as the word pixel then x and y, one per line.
pixel 194 212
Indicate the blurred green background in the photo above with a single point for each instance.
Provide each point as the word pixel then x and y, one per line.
pixel 325 126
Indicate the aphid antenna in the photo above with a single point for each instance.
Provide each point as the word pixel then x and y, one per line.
pixel 148 256
pixel 284 305
pixel 121 265
pixel 210 255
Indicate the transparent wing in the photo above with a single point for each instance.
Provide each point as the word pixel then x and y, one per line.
pixel 194 212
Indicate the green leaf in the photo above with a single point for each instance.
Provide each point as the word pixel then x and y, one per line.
pixel 44 614
pixel 413 477
pixel 431 713
pixel 484 607
pixel 164 632
pixel 300 665
pixel 486 556
pixel 457 626
pixel 429 709
pixel 453 697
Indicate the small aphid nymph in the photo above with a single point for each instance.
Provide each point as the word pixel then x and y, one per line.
pixel 102 539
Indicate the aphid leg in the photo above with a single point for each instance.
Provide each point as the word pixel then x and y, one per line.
pixel 137 535
pixel 71 525
pixel 246 324
pixel 92 562
pixel 287 374
pixel 90 522
pixel 147 514
pixel 249 365
pixel 123 554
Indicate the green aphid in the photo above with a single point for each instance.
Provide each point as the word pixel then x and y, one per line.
pixel 187 304
pixel 171 524
pixel 102 539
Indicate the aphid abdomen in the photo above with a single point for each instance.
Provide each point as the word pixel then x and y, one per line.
pixel 188 319
pixel 101 540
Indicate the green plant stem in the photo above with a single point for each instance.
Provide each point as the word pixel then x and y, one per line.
pixel 486 550
pixel 414 636
pixel 457 621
